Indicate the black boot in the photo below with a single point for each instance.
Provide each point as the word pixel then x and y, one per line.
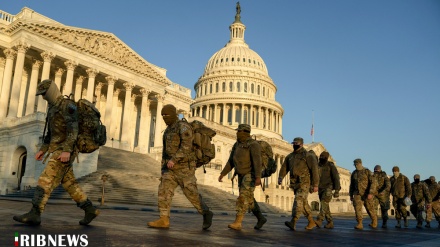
pixel 90 212
pixel 257 212
pixel 33 218
pixel 428 224
pixel 384 223
pixel 291 224
pixel 207 219
pixel 419 224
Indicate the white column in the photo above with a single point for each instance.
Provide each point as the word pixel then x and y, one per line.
pixel 266 116
pixel 144 126
pixel 280 131
pixel 2 70
pixel 24 88
pixel 6 86
pixel 98 93
pixel 78 87
pixel 115 118
pixel 125 137
pixel 16 83
pixel 225 114
pixel 71 65
pixel 109 103
pixel 159 120
pixel 58 75
pixel 215 113
pixel 91 83
pixel 242 108
pixel 47 58
pixel 233 113
pixel 30 107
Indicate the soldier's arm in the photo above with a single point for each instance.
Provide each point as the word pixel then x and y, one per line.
pixel 255 153
pixel 70 114
pixel 230 164
pixel 408 189
pixel 46 141
pixel 373 184
pixel 335 178
pixel 387 184
pixel 428 197
pixel 312 163
pixel 186 144
pixel 351 189
pixel 284 168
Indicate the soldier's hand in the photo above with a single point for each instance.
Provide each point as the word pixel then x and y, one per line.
pixel 351 198
pixel 39 155
pixel 170 164
pixel 315 189
pixel 336 194
pixel 280 180
pixel 257 181
pixel 64 157
pixel 370 196
pixel 428 206
pixel 220 178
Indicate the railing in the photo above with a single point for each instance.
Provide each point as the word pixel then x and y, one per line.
pixel 6 16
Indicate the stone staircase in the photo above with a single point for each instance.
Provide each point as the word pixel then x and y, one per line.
pixel 133 178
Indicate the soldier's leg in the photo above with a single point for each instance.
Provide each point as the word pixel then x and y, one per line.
pixel 297 210
pixel 357 204
pixel 428 216
pixel 245 200
pixel 165 192
pixel 325 205
pixel 369 206
pixel 397 212
pixel 308 212
pixel 321 214
pixel 257 212
pixel 436 210
pixel 384 207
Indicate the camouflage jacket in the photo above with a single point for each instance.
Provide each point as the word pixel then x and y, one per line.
pixel 178 145
pixel 362 183
pixel 420 193
pixel 62 126
pixel 383 184
pixel 329 176
pixel 303 169
pixel 434 190
pixel 245 157
pixel 400 186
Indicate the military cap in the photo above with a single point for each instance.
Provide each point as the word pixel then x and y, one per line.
pixel 298 140
pixel 324 154
pixel 43 86
pixel 396 169
pixel 378 168
pixel 357 161
pixel 244 127
pixel 417 176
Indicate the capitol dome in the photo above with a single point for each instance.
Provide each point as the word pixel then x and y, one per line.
pixel 236 88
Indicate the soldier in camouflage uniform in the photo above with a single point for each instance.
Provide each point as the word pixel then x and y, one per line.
pixel 363 188
pixel 178 169
pixel 59 146
pixel 400 189
pixel 382 197
pixel 420 198
pixel 245 157
pixel 434 190
pixel 328 181
pixel 304 179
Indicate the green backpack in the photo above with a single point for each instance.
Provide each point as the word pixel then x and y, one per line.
pixel 91 132
pixel 203 147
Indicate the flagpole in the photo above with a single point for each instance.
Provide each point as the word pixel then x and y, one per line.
pixel 313 123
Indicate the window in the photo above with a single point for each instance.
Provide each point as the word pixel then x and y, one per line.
pixel 264 90
pixel 232 60
pixel 226 59
pixel 224 87
pixel 216 87
pixel 238 86
pixel 210 88
pixel 230 86
pixel 252 88
pixel 221 61
pixel 245 87
pixel 206 88
pixel 258 89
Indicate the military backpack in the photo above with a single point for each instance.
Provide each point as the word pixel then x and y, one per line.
pixel 269 166
pixel 203 147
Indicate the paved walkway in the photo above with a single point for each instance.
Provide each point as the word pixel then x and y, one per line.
pixel 125 225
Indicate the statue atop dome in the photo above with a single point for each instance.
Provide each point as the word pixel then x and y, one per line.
pixel 238 10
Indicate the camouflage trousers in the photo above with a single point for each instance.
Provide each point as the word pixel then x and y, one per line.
pixel 384 203
pixel 301 204
pixel 417 210
pixel 400 208
pixel 358 202
pixel 54 173
pixel 435 207
pixel 246 188
pixel 325 196
pixel 186 179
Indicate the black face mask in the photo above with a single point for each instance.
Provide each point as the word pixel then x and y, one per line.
pixel 296 147
pixel 416 181
pixel 323 160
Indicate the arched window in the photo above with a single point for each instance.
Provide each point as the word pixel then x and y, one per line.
pixel 245 87
pixel 252 88
pixel 238 86
pixel 232 60
pixel 216 87
pixel 258 89
pixel 226 59
pixel 210 88
pixel 224 87
pixel 230 86
pixel 206 89
pixel 238 59
pixel 264 90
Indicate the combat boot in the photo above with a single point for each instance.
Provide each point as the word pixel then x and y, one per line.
pixel 163 222
pixel 261 219
pixel 373 223
pixel 207 219
pixel 406 222
pixel 311 224
pixel 32 218
pixel 291 224
pixel 329 225
pixel 359 226
pixel 428 224
pixel 236 225
pixel 90 212
pixel 318 222
pixel 384 223
pixel 419 224
pixel 398 224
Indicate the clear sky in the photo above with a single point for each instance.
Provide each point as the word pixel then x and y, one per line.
pixel 369 70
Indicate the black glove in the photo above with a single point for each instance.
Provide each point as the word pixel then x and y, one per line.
pixel 336 194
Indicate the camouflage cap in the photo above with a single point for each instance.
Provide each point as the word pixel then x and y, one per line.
pixel 377 168
pixel 324 155
pixel 244 127
pixel 417 176
pixel 43 86
pixel 298 140
pixel 396 169
pixel 357 161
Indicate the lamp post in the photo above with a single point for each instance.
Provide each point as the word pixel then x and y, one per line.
pixel 103 178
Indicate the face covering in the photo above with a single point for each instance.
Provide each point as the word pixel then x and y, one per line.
pixel 170 119
pixel 396 174
pixel 323 160
pixel 52 94
pixel 242 136
pixel 296 147
pixel 359 166
pixel 416 181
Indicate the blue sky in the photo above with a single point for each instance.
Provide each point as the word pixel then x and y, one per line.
pixel 369 70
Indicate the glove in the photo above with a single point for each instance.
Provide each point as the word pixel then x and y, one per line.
pixel 336 194
pixel 279 181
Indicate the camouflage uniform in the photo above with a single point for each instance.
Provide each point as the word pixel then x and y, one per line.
pixel 419 198
pixel 400 189
pixel 303 169
pixel 329 181
pixel 177 146
pixel 434 190
pixel 362 184
pixel 382 197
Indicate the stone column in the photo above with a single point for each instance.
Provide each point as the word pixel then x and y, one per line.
pixel 266 116
pixel 2 70
pixel 242 113
pixel 30 106
pixel 215 112
pixel 24 88
pixel 71 65
pixel 91 83
pixel 280 131
pixel 78 87
pixel 114 117
pixel 144 126
pixel 125 137
pixel 233 114
pixel 6 86
pixel 109 103
pixel 159 120
pixel 58 75
pixel 22 47
pixel 225 114
pixel 47 58
pixel 98 95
